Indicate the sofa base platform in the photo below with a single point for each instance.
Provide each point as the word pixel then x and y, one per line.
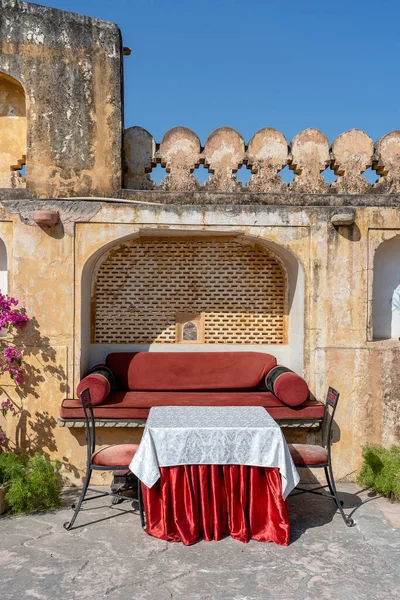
pixel 295 423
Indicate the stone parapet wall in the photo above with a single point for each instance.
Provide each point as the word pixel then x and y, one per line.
pixel 308 155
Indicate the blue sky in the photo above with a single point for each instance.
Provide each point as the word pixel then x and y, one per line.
pixel 256 63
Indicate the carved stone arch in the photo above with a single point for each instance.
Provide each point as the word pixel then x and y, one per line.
pixel 179 154
pixel 224 153
pixel 386 163
pixel 309 154
pixel 267 154
pixel 13 131
pixel 352 153
pixel 139 157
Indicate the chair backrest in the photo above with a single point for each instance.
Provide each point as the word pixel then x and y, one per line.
pixel 331 401
pixel 90 424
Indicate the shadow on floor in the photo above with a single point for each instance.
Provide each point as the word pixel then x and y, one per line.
pixel 309 510
pixel 306 510
pixel 91 505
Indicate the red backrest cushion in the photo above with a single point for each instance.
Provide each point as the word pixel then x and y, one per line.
pixel 169 371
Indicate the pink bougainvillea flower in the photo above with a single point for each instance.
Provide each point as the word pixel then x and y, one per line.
pixel 11 317
pixel 6 406
pixel 11 353
pixel 10 356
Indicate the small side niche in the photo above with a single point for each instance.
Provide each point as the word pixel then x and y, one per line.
pixel 12 133
pixel 189 328
pixel 386 280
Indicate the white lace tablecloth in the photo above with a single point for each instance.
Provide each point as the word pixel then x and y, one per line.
pixel 212 435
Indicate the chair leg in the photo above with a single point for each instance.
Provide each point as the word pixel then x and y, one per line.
pixel 68 525
pixel 331 483
pixel 328 481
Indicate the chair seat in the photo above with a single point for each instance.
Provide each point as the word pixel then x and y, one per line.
pixel 117 455
pixel 305 455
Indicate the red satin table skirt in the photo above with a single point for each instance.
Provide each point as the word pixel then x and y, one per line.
pixel 193 502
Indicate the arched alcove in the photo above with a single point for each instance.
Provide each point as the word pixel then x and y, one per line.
pixel 12 132
pixel 386 278
pixel 241 293
pixel 140 286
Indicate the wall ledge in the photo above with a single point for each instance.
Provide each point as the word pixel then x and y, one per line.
pixel 205 199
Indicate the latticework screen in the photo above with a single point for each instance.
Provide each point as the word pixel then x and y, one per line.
pixel 141 285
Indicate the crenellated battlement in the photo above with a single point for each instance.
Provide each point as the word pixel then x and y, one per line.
pixel 308 155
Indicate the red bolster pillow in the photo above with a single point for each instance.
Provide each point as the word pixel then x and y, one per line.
pixel 288 387
pixel 99 382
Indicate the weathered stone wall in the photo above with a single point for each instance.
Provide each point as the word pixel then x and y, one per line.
pixel 70 68
pixel 47 270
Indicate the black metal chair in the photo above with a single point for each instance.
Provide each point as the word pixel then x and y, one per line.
pixel 106 458
pixel 316 457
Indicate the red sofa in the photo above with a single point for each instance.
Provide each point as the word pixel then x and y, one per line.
pixel 133 382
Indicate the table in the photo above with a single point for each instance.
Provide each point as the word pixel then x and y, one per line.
pixel 207 471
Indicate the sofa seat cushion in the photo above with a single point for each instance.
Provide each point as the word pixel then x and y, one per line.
pixel 307 454
pixel 177 371
pixel 310 409
pixel 117 455
pixel 136 405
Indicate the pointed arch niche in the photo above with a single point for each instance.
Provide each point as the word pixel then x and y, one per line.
pixel 239 293
pixel 12 132
pixel 386 278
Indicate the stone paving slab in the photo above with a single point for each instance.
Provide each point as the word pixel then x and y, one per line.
pixel 113 558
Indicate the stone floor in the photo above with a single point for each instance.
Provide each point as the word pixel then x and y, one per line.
pixel 114 558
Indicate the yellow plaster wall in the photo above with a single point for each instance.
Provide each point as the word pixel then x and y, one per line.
pixel 46 271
